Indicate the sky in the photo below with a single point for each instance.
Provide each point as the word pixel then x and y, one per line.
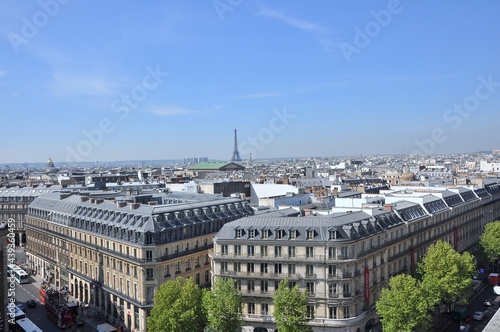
pixel 135 80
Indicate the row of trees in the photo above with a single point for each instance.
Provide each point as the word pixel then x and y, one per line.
pixel 181 306
pixel 443 276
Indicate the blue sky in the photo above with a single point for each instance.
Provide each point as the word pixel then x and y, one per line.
pixel 137 80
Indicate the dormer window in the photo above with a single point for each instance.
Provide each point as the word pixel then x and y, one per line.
pixel 238 233
pixel 293 234
pixel 332 234
pixel 279 233
pixel 310 234
pixel 265 233
pixel 251 233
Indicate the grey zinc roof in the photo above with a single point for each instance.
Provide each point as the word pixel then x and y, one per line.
pixel 347 225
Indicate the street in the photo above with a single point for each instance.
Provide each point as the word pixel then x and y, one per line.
pixel 478 305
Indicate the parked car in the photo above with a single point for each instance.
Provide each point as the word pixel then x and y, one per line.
pixel 31 303
pixel 78 321
pixel 465 328
pixel 20 306
pixel 478 315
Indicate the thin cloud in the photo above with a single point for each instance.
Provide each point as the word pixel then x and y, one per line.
pixel 295 22
pixel 169 111
pixel 74 84
pixel 259 95
pixel 322 34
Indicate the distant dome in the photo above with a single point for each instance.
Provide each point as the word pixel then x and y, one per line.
pixel 407 176
pixel 50 167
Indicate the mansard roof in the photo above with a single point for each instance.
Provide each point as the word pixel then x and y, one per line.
pixel 345 226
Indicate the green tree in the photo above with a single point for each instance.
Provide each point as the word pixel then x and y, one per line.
pixel 177 307
pixel 290 308
pixel 404 306
pixel 490 240
pixel 446 274
pixel 222 306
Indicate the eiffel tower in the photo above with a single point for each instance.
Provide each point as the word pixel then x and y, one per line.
pixel 236 153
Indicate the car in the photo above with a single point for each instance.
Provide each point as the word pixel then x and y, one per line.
pixel 478 315
pixel 78 320
pixel 496 290
pixel 20 306
pixel 31 303
pixel 465 328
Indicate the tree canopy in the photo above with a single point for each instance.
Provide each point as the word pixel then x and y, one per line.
pixel 222 306
pixel 490 240
pixel 177 307
pixel 405 306
pixel 447 274
pixel 290 308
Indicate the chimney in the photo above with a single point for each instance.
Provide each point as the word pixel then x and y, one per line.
pixel 388 207
pixel 121 204
pixel 152 203
pixel 134 206
pixel 84 199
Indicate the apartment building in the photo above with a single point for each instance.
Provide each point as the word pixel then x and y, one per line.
pixel 346 258
pixel 114 254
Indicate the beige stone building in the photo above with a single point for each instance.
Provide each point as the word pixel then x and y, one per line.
pixel 113 255
pixel 346 258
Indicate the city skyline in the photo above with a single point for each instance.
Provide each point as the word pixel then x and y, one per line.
pixel 114 81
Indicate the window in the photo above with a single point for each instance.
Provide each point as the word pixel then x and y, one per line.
pixel 347 288
pixel 332 252
pixel 310 311
pixel 309 252
pixel 310 235
pixel 149 274
pixel 264 309
pixel 347 313
pixel 263 268
pixel 224 249
pixel 223 266
pixel 237 233
pixel 265 233
pixel 277 251
pixel 251 308
pixel 250 267
pixel 277 268
pixel 237 267
pixel 309 270
pixel 292 269
pixel 291 251
pixel 250 250
pixel 293 234
pixel 250 286
pixel 332 271
pixel 310 287
pixel 332 289
pixel 333 312
pixel 332 234
pixel 264 286
pixel 251 233
pixel 263 251
pixel 237 284
pixel 279 234
pixel 237 250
